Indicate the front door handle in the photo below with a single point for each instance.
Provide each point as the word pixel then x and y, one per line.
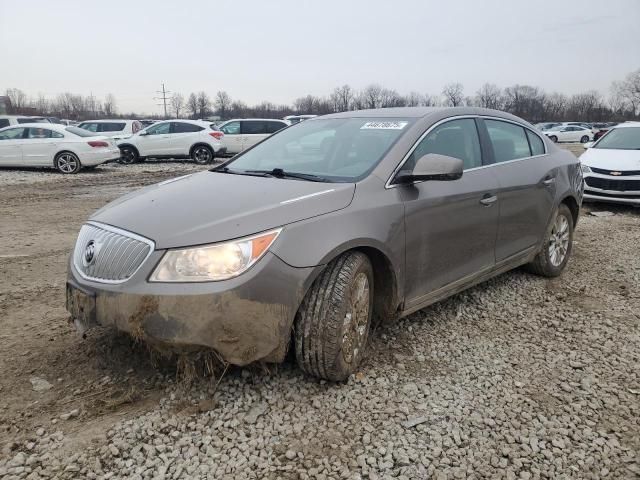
pixel 488 200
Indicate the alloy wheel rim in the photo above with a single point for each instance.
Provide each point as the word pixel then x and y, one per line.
pixel 202 155
pixel 127 156
pixel 559 241
pixel 67 163
pixel 356 319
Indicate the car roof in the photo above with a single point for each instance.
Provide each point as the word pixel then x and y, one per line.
pixel 261 119
pixel 627 125
pixel 51 126
pixel 108 120
pixel 184 120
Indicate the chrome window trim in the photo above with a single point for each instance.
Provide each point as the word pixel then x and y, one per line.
pixel 124 233
pixel 388 183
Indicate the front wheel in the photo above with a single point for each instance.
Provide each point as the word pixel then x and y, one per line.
pixel 332 325
pixel 558 243
pixel 67 163
pixel 584 139
pixel 128 155
pixel 202 155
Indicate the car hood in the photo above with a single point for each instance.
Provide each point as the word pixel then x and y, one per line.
pixel 211 207
pixel 609 159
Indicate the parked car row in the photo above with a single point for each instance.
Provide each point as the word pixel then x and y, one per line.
pixel 560 131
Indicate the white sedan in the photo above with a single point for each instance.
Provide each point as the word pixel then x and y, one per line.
pixel 611 166
pixel 67 149
pixel 569 133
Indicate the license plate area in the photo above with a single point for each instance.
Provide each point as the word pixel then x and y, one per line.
pixel 81 305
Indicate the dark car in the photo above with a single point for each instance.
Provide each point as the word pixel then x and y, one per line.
pixel 306 239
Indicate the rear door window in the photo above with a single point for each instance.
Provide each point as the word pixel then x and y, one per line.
pixel 37 133
pixel 92 127
pixel 253 127
pixel 111 127
pixel 509 140
pixel 182 127
pixel 4 122
pixel 159 129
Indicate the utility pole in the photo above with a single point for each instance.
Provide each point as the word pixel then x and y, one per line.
pixel 164 98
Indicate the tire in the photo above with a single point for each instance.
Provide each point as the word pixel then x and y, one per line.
pixel 332 325
pixel 67 163
pixel 558 241
pixel 128 155
pixel 201 154
pixel 584 139
pixel 554 139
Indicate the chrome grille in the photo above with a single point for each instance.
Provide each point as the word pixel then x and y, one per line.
pixel 108 254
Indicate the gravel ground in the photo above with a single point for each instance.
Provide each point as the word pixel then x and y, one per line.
pixel 520 377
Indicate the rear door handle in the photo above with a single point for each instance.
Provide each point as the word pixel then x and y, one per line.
pixel 547 182
pixel 488 200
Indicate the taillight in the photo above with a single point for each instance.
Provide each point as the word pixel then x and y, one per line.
pixel 216 135
pixel 98 143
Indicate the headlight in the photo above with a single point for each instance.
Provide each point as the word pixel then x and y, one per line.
pixel 585 169
pixel 211 263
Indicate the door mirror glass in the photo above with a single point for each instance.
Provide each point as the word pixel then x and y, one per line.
pixel 433 166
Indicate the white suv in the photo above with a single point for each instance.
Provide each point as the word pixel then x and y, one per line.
pixel 10 120
pixel 241 134
pixel 193 139
pixel 112 128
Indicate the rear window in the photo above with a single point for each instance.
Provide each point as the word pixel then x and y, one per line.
pixel 182 127
pixel 80 132
pixel 92 127
pixel 111 127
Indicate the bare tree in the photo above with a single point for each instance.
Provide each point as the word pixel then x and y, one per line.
pixel 555 106
pixel 42 105
pixel 192 105
pixel 413 99
pixel 391 98
pixel 204 104
pixel 222 103
pixel 525 101
pixel 177 103
pixel 429 100
pixel 109 105
pixel 489 96
pixel 453 94
pixel 372 96
pixel 627 92
pixel 18 99
pixel 341 98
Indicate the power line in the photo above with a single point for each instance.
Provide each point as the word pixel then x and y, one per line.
pixel 164 98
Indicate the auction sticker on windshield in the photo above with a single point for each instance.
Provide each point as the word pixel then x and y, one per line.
pixel 384 126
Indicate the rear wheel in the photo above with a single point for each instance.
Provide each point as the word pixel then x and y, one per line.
pixel 332 325
pixel 554 139
pixel 558 243
pixel 128 155
pixel 584 139
pixel 67 162
pixel 202 154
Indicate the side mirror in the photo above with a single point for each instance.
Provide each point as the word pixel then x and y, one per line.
pixel 588 145
pixel 143 133
pixel 433 166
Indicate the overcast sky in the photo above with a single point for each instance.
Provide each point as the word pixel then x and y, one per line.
pixel 279 50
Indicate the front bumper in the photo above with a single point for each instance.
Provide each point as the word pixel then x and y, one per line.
pixel 613 189
pixel 245 319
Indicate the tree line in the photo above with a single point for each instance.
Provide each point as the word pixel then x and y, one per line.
pixel 526 101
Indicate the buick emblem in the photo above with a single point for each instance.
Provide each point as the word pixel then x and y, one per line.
pixel 616 174
pixel 89 253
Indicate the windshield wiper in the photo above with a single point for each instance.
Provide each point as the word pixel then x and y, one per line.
pixel 280 173
pixel 240 172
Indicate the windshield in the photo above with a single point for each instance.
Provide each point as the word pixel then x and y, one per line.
pixel 80 132
pixel 627 138
pixel 335 149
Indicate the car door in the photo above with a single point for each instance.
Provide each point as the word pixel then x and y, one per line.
pixel 253 131
pixel 10 151
pixel 156 140
pixel 232 137
pixel 183 136
pixel 526 178
pixel 450 226
pixel 39 146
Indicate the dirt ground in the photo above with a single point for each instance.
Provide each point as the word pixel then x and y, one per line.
pixel 106 377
